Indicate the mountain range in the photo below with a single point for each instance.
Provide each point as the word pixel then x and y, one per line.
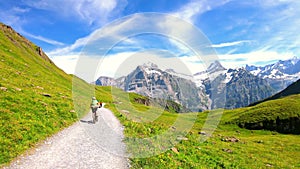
pixel 149 80
pixel 279 74
pixel 217 87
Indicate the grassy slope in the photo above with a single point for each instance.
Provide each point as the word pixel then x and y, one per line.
pixel 255 148
pixel 26 115
pixel 283 108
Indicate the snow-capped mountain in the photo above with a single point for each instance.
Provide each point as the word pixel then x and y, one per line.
pixel 212 71
pixel 279 70
pixel 216 87
pixel 237 88
pixel 149 80
pixel 106 81
pixel 232 88
pixel 280 74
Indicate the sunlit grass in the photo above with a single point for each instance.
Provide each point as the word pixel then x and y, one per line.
pixel 253 148
pixel 35 97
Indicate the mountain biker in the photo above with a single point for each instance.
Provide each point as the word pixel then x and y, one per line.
pixel 94 107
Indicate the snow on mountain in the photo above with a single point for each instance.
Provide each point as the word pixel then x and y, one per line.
pixel 152 71
pixel 287 69
pixel 182 75
pixel 212 71
pixel 229 75
pixel 149 80
pixel 240 86
pixel 279 74
pixel 216 66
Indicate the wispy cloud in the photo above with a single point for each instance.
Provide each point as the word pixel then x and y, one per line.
pixel 116 31
pixel 197 7
pixel 176 42
pixel 70 48
pixel 43 39
pixel 20 10
pixel 258 58
pixel 230 44
pixel 88 11
pixel 12 16
pixel 181 36
pixel 274 35
pixel 282 29
pixel 123 63
pixel 66 62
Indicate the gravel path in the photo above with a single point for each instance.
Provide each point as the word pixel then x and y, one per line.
pixel 83 145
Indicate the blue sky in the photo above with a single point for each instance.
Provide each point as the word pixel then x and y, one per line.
pixel 254 32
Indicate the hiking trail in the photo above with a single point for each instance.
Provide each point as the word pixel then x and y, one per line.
pixel 82 145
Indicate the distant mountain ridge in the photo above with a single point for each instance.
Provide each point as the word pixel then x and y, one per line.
pixel 217 87
pixel 214 88
pixel 151 81
pixel 106 81
pixel 237 88
pixel 280 74
pixel 292 89
pixel 281 69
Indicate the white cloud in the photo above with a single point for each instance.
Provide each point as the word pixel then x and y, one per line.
pixel 43 39
pixel 90 68
pixel 186 40
pixel 88 11
pixel 20 10
pixel 13 17
pixel 120 30
pixel 66 62
pixel 116 65
pixel 197 7
pixel 276 27
pixel 115 31
pixel 258 58
pixel 229 44
pixel 274 3
pixel 69 49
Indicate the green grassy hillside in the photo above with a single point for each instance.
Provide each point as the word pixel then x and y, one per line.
pixel 230 146
pixel 35 95
pixel 281 115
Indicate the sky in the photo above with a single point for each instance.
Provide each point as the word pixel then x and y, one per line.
pixel 103 35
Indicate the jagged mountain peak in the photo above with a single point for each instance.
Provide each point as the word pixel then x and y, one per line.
pixel 282 69
pixel 171 71
pixel 149 80
pixel 149 65
pixel 295 60
pixel 215 67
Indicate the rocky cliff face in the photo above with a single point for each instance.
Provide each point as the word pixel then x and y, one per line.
pixel 151 81
pixel 292 89
pixel 214 88
pixel 239 88
pixel 106 81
